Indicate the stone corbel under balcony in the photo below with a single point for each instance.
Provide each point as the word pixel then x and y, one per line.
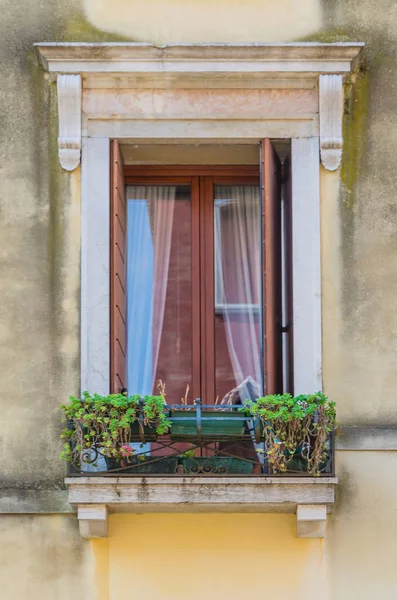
pixel 310 498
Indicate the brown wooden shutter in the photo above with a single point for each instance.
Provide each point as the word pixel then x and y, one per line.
pixel 288 295
pixel 118 319
pixel 271 248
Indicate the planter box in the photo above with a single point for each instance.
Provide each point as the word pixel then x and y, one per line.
pixel 298 464
pixel 208 424
pixel 143 433
pixel 150 465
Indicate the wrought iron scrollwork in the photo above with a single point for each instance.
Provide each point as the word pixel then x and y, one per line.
pixel 193 452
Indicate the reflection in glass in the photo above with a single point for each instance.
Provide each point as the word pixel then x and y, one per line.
pixel 237 242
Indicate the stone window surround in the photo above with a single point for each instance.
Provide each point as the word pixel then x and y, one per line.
pixel 99 89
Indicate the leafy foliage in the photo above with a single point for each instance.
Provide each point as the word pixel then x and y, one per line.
pixel 105 422
pixel 295 424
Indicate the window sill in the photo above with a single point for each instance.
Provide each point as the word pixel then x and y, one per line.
pixel 310 498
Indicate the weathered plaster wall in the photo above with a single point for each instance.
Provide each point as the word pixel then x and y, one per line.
pixel 39 253
pixel 361 542
pixel 40 219
pixel 40 556
pixel 43 556
pixel 360 330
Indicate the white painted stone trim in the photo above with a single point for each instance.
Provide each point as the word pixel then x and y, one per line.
pixel 308 497
pixel 69 117
pixel 95 309
pixel 311 520
pixel 331 115
pixel 181 65
pixel 304 57
pixel 201 131
pixel 306 265
pixel 95 260
pixel 93 521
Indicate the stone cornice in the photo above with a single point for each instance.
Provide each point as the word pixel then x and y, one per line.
pixel 114 66
pixel 308 57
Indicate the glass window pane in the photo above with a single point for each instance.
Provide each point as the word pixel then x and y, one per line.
pixel 238 313
pixel 159 297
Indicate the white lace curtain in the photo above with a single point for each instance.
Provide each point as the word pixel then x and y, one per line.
pixel 149 223
pixel 238 282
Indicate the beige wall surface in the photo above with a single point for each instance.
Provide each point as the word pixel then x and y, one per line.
pixel 43 556
pixel 361 542
pixel 206 20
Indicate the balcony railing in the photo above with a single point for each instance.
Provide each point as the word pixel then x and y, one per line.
pixel 203 440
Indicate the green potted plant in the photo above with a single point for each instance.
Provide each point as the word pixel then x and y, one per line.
pixel 296 430
pixel 107 425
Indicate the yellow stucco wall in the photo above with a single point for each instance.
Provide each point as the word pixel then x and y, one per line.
pixel 233 556
pixel 219 557
pixel 222 557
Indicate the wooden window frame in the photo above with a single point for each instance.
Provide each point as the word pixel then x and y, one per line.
pixel 117 271
pixel 202 180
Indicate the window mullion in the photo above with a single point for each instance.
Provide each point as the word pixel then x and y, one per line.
pixel 207 290
pixel 196 290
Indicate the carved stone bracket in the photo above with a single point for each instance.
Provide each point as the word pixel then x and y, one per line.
pixel 331 114
pixel 93 520
pixel 69 115
pixel 311 520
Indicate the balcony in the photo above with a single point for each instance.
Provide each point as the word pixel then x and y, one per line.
pixel 212 459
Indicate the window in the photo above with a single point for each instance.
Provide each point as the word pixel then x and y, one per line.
pixel 196 280
pixel 236 243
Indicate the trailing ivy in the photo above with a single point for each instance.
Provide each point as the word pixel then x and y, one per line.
pixel 295 425
pixel 104 423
